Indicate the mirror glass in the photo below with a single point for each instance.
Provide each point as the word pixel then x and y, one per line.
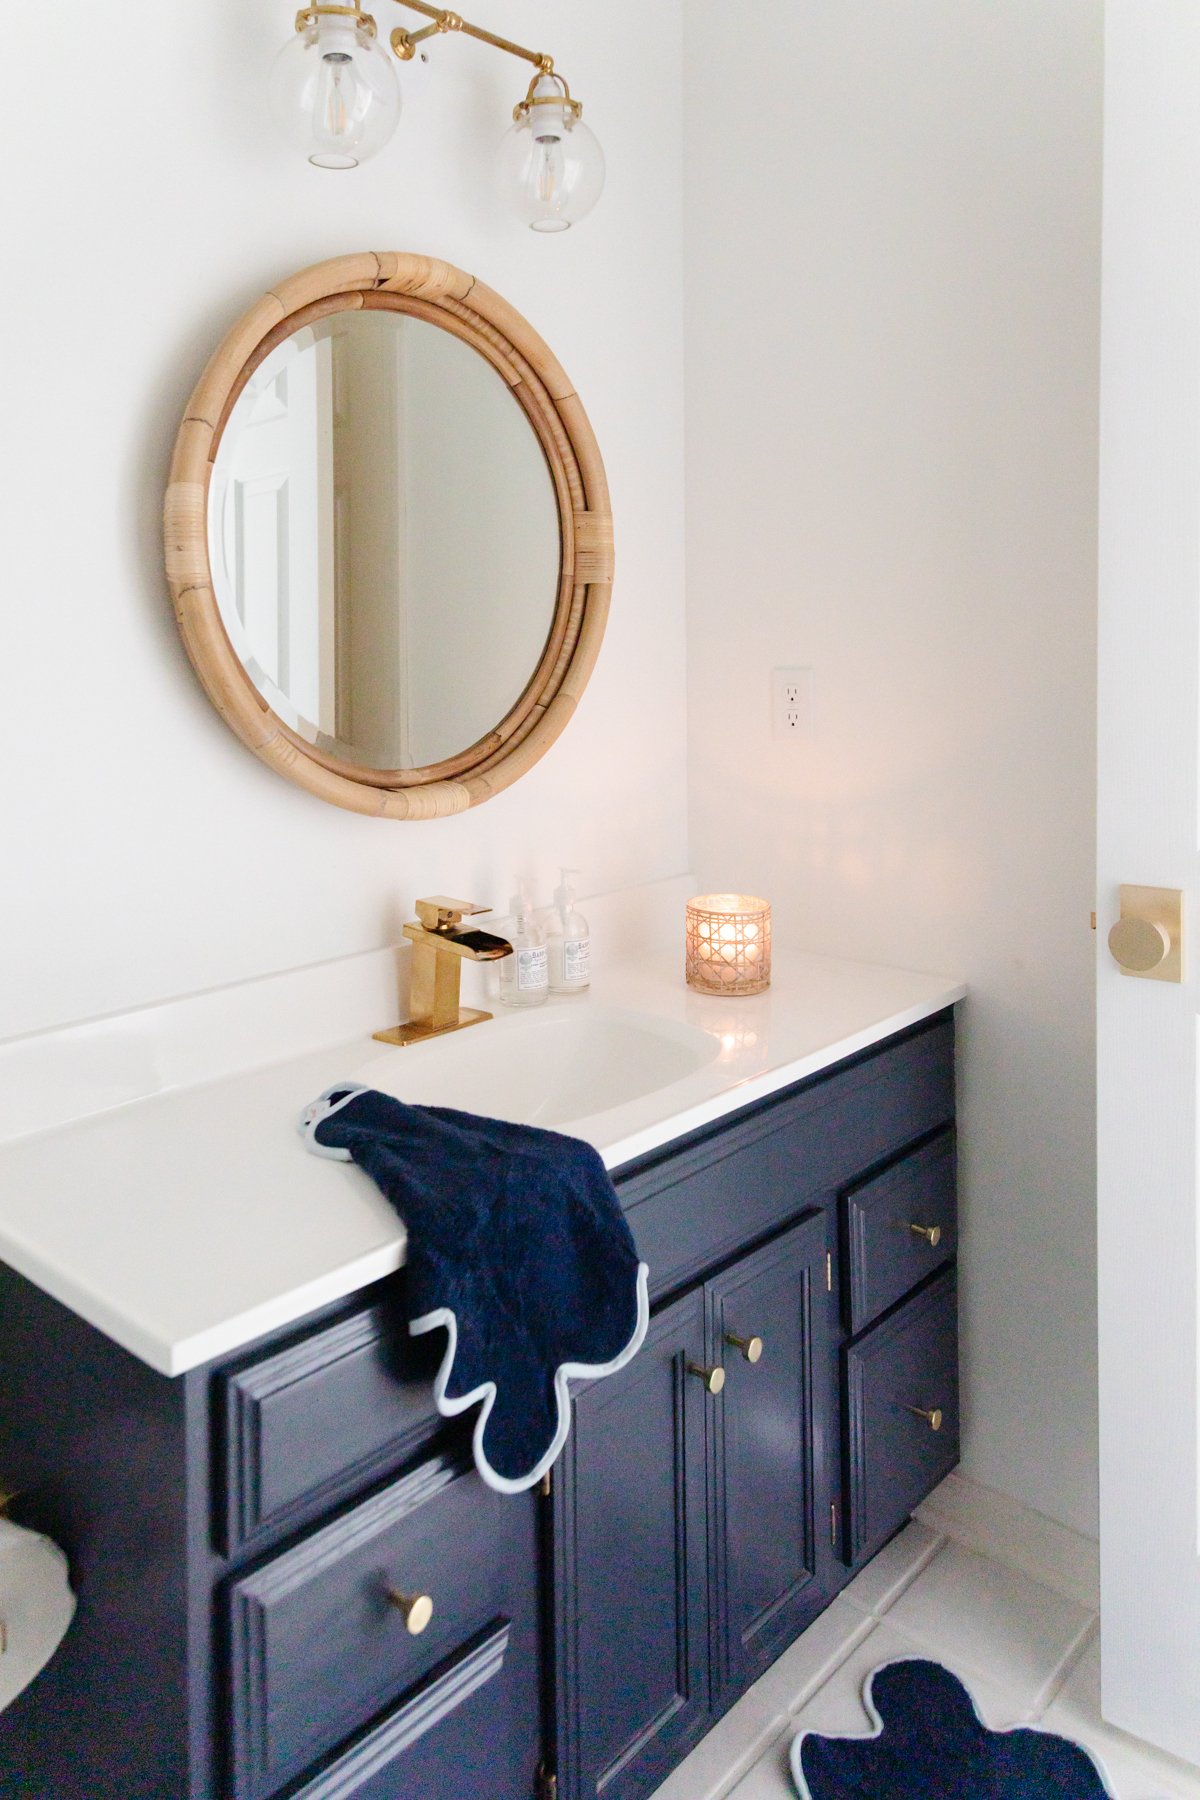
pixel 384 539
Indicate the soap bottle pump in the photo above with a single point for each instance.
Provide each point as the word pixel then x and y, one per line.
pixel 568 941
pixel 524 976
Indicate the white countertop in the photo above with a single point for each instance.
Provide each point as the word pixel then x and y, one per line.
pixel 186 1223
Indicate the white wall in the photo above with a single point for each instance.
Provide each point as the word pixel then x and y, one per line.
pixel 149 201
pixel 892 267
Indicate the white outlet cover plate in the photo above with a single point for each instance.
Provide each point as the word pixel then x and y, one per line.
pixel 791 704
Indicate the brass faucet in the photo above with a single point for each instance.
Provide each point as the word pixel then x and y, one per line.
pixel 440 947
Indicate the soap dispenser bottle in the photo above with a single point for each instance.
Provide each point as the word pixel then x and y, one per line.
pixel 568 941
pixel 524 976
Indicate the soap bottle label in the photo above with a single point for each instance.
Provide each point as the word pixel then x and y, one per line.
pixel 532 968
pixel 577 961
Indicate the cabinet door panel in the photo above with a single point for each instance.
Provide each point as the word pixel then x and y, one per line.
pixel 901 1413
pixel 317 1647
pixel 466 1730
pixel 770 1507
pixel 897 1228
pixel 631 1567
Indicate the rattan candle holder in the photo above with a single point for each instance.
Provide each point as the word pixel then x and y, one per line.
pixel 727 944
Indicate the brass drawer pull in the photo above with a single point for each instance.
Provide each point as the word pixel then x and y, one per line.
pixel 417 1609
pixel 713 1379
pixel 932 1232
pixel 934 1415
pixel 751 1347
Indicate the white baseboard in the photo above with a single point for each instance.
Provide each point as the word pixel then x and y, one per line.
pixel 998 1526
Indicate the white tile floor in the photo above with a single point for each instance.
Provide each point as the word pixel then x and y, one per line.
pixel 1028 1654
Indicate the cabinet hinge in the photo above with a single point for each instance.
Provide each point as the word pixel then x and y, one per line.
pixel 829 1271
pixel 546 1785
pixel 833 1523
pixel 544 1485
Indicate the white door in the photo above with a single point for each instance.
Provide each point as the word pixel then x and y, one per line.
pixel 1149 828
pixel 270 528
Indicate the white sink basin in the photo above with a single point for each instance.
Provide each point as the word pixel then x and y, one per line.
pixel 549 1068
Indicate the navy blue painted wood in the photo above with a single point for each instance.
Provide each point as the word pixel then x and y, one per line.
pixel 98 1446
pixel 172 1497
pixel 466 1730
pixel 631 1567
pixel 905 1366
pixel 883 1255
pixel 693 1207
pixel 317 1647
pixel 774 1563
pixel 306 1423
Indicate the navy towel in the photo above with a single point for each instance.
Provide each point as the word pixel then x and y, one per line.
pixel 930 1744
pixel 517 1245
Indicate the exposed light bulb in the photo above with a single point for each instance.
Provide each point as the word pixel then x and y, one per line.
pixel 551 168
pixel 334 91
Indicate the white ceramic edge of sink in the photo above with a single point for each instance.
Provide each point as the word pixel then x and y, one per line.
pixel 235 1333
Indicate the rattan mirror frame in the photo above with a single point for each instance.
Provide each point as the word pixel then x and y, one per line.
pixel 445 296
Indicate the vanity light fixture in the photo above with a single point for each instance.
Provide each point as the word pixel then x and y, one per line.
pixel 335 93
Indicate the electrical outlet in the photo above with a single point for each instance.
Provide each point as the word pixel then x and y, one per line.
pixel 791 704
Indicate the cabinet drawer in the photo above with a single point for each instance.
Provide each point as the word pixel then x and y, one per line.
pixel 743 1179
pixel 896 1229
pixel 470 1728
pixel 904 1368
pixel 317 1648
pixel 304 1424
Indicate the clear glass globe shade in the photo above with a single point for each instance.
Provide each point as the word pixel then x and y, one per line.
pixel 334 93
pixel 550 170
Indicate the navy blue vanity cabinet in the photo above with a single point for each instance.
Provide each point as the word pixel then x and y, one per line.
pixel 796 1398
pixel 246 1540
pixel 631 1565
pixel 899 1232
pixel 691 1511
pixel 772 1427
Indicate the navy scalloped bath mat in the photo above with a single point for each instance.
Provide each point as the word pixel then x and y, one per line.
pixel 930 1744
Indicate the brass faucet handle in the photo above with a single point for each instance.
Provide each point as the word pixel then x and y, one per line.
pixel 440 913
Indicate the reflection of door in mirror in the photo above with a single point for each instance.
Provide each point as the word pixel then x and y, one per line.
pixel 270 539
pixel 370 453
pixel 384 537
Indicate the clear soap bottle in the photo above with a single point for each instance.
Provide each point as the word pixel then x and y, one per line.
pixel 568 941
pixel 523 976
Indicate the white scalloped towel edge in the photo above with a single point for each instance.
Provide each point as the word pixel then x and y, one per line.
pixel 861 1737
pixel 315 1114
pixel 486 1391
pixel 36 1606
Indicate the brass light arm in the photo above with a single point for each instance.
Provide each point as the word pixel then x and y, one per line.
pixel 404 42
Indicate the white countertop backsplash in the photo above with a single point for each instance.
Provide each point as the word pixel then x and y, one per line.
pixel 152 1177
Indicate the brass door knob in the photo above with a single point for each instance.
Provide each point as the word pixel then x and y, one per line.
pixel 416 1608
pixel 1147 939
pixel 933 1415
pixel 932 1232
pixel 1139 945
pixel 713 1379
pixel 751 1347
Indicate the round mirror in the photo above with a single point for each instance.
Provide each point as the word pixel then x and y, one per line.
pixel 388 536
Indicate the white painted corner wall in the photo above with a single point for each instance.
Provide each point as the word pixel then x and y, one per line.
pixel 891 225
pixel 892 310
pixel 145 852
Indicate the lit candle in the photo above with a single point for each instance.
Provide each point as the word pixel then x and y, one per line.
pixel 728 943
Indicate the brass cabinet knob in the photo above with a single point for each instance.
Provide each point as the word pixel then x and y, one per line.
pixel 1139 945
pixel 751 1347
pixel 933 1415
pixel 417 1609
pixel 932 1232
pixel 713 1379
